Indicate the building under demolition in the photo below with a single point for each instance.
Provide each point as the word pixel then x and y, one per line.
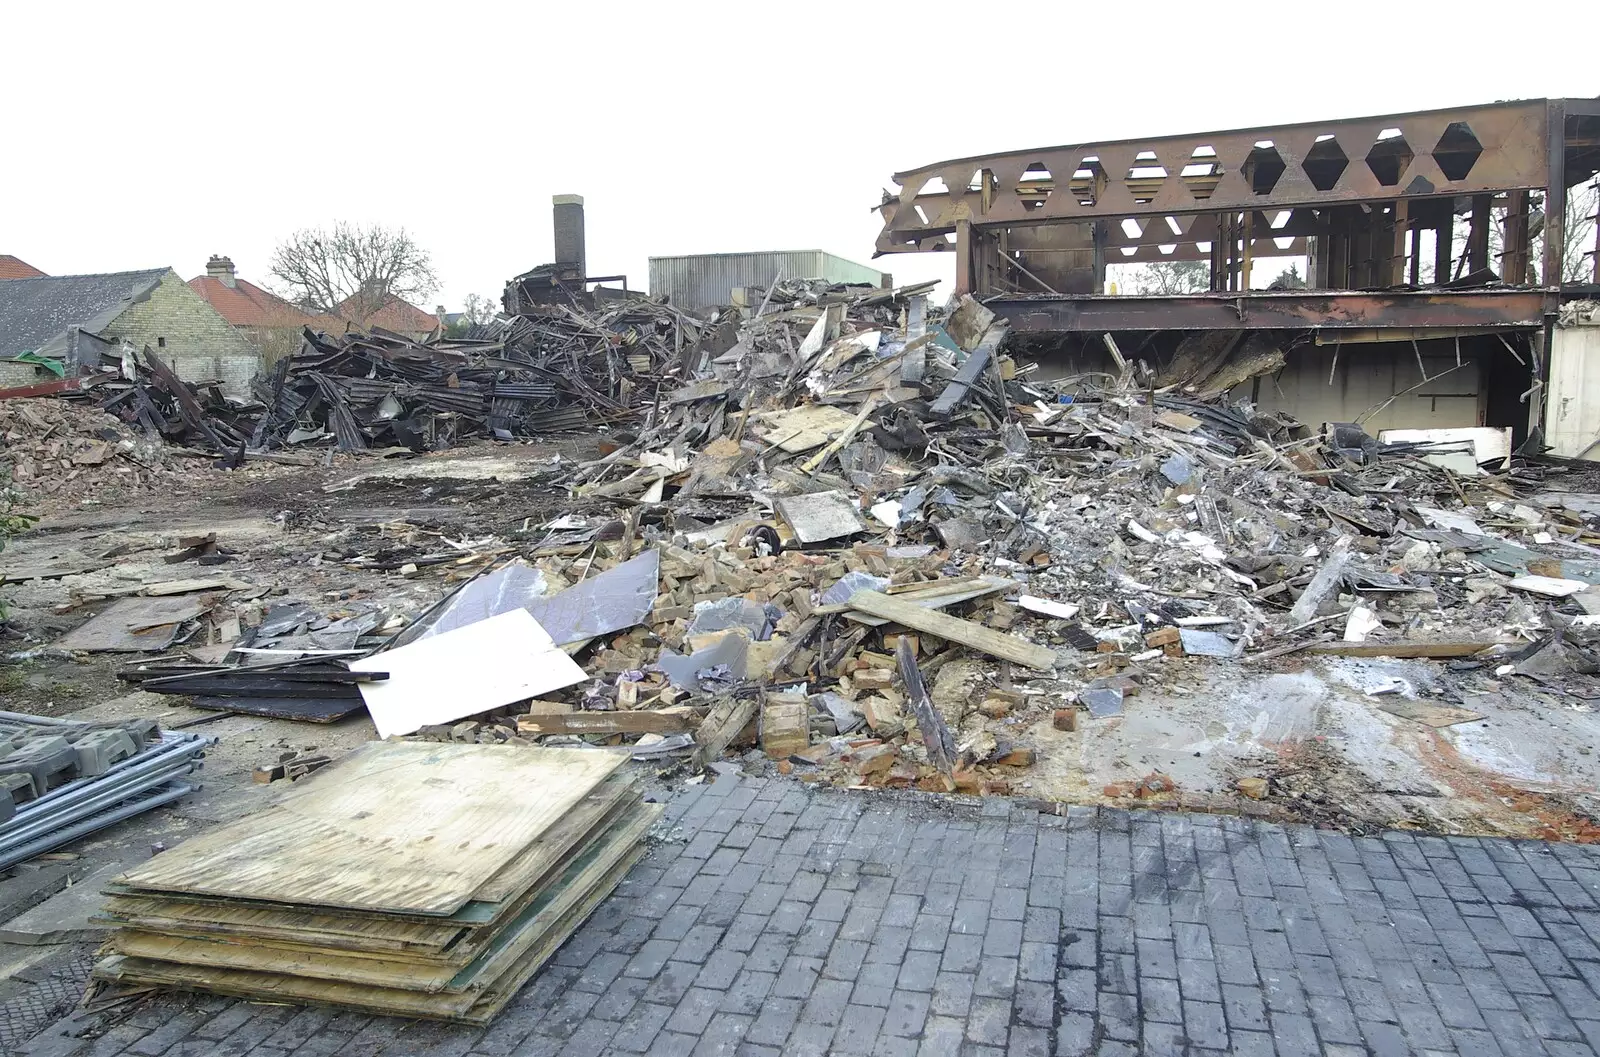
pixel 1433 244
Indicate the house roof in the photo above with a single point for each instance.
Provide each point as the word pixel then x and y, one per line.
pixel 17 268
pixel 245 304
pixel 35 311
pixel 397 315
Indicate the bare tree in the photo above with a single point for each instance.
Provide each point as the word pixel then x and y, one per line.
pixel 480 310
pixel 1577 238
pixel 352 270
pixel 475 312
pixel 1170 277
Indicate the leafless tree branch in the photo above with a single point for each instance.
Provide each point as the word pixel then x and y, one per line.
pixel 352 270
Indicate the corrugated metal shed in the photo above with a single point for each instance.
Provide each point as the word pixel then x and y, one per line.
pixel 705 280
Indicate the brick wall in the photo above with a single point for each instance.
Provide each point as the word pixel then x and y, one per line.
pixel 188 334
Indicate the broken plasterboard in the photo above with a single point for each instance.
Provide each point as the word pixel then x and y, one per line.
pixel 1486 444
pixel 1046 608
pixel 473 669
pixel 1549 586
pixel 819 516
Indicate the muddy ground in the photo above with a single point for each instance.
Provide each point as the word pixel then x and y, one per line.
pixel 1311 726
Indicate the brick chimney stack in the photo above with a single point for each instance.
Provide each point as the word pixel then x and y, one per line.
pixel 221 268
pixel 568 211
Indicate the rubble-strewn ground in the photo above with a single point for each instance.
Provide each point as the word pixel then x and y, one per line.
pixel 1332 756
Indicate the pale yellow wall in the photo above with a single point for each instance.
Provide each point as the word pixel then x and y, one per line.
pixel 1572 407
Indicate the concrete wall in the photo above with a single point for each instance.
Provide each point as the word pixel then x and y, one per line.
pixel 1572 406
pixel 189 335
pixel 1367 375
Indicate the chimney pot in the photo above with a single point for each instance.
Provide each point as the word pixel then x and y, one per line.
pixel 221 268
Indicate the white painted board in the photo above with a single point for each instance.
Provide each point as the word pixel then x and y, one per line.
pixel 460 673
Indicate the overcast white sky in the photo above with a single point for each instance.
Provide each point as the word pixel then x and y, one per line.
pixel 140 135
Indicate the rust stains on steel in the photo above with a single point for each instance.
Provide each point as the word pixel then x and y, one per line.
pixel 1495 147
pixel 1272 310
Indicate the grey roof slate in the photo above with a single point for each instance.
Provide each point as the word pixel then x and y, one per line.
pixel 35 313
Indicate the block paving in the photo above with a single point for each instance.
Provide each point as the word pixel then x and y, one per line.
pixel 776 919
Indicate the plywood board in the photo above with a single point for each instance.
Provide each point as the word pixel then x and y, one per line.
pixel 469 970
pixel 478 1007
pixel 805 427
pixel 398 826
pixel 476 668
pixel 614 802
pixel 135 625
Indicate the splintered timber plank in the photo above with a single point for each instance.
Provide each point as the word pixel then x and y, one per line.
pixel 351 836
pixel 477 1008
pixel 465 973
pixel 612 804
pixel 1006 647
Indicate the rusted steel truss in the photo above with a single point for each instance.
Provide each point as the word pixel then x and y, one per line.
pixel 1492 148
pixel 1274 310
pixel 1358 194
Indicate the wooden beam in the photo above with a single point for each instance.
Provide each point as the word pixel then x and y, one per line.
pixel 722 724
pixel 1400 649
pixel 644 721
pixel 996 644
pixel 935 732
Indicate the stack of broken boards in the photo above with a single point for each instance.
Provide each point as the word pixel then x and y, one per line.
pixel 412 879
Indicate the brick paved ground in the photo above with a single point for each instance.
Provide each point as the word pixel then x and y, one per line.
pixel 787 921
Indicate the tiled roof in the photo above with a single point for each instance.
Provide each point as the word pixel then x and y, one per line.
pixel 401 317
pixel 35 311
pixel 245 304
pixel 16 268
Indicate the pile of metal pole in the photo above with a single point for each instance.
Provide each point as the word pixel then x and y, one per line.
pixel 156 775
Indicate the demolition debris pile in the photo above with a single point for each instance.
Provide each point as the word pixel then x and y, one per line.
pixel 562 369
pixel 866 539
pixel 54 448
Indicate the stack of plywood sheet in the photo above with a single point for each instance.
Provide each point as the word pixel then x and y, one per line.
pixel 424 880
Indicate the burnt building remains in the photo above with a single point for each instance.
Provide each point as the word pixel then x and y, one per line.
pixel 1433 247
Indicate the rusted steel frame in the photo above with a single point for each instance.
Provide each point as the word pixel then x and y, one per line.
pixel 1514 137
pixel 50 388
pixel 1272 311
pixel 1555 199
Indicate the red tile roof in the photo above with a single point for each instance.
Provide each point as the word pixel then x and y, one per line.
pixel 245 304
pixel 13 268
pixel 402 317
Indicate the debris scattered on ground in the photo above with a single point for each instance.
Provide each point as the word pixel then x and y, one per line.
pixel 807 493
pixel 348 892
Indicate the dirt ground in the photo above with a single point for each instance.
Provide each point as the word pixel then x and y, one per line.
pixel 1311 726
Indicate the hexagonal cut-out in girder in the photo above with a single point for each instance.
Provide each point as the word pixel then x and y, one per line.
pixel 1035 186
pixel 1457 151
pixel 1390 157
pixel 1145 177
pixel 1264 167
pixel 1088 180
pixel 1325 162
pixel 1201 173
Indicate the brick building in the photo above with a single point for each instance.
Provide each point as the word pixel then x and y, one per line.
pixel 266 320
pixel 69 321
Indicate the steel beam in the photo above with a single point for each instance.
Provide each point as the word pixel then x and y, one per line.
pixel 1273 310
pixel 1437 153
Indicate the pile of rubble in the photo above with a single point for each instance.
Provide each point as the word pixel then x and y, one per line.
pixel 560 369
pixel 866 540
pixel 57 449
